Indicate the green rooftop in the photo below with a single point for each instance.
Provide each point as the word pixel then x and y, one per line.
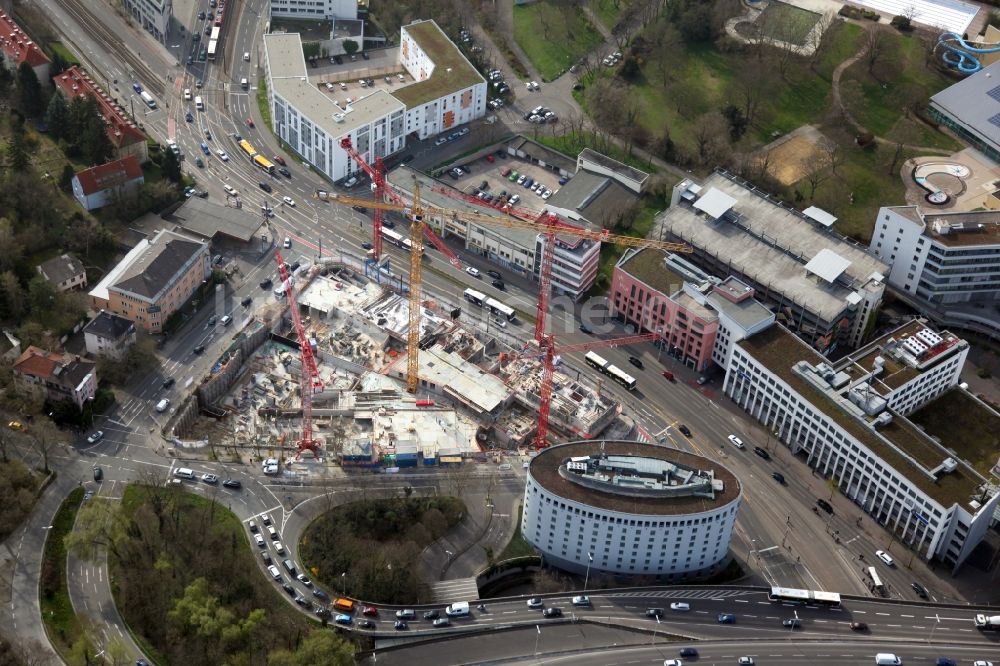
pixel 978 438
pixel 649 266
pixel 452 72
pixel 779 350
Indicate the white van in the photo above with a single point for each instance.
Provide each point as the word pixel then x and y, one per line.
pixel 457 609
pixel 887 659
pixel 246 56
pixel 163 405
pixel 199 103
pixel 184 473
pixel 244 84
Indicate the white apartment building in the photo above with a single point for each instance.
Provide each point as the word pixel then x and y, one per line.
pixel 950 261
pixel 315 9
pixel 313 124
pixel 628 508
pixel 849 422
pixel 153 15
pixel 574 265
pixel 448 91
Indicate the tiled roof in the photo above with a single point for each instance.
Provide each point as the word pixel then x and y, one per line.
pixel 37 362
pixel 111 174
pixel 17 46
pixel 109 326
pixel 59 269
pixel 158 265
pixel 76 82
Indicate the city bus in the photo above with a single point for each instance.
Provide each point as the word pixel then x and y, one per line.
pixel 247 149
pixel 263 164
pixel 398 240
pixel 213 45
pixel 471 295
pixel 614 372
pixel 214 37
pixel 877 584
pixel 791 595
pixel 498 308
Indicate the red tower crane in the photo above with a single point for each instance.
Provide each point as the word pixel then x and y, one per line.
pixel 382 193
pixel 310 381
pixel 548 353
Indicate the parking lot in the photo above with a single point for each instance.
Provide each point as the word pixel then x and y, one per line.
pixel 482 169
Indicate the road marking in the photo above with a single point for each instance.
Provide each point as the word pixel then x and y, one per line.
pixel 741 601
pixel 904 615
pixel 877 613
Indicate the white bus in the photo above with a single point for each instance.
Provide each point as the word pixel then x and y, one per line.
pixel 398 240
pixel 498 308
pixel 475 297
pixel 614 372
pixel 794 596
pixel 148 99
pixel 876 581
pixel 216 30
pixel 213 45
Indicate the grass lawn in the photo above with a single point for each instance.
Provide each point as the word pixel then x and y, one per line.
pixel 518 546
pixel 787 23
pixel 67 55
pixel 60 621
pixel 553 38
pixel 608 11
pixel 882 99
pixel 262 105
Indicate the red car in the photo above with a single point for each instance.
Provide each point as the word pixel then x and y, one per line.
pixel 280 160
pixel 370 611
pixel 249 122
pixel 490 158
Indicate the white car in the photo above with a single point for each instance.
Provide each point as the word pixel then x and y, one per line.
pixel 737 442
pixel 329 87
pixel 230 190
pixel 222 155
pixel 535 602
pixel 305 581
pixel 680 606
pixel 288 200
pixel 672 662
pixel 440 140
pixel 885 557
pixel 187 94
pixel 210 478
pixel 275 574
pixel 745 661
pixel 96 437
pixel 278 548
pixel 982 663
pixel 474 272
pixel 343 86
pixel 547 193
pixel 288 243
pixel 259 540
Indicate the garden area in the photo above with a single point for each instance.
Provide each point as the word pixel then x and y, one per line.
pixel 553 35
pixel 370 549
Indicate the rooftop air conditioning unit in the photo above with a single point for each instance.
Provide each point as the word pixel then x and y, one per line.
pixel 338 117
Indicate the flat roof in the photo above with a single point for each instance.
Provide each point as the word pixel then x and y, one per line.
pixel 649 266
pixel 688 302
pixel 820 215
pixel 623 170
pixel 975 103
pixel 207 219
pixel 462 379
pixel 770 245
pixel 896 372
pixel 451 73
pixel 289 80
pixel 748 313
pixel 597 198
pixel 714 203
pixel 543 153
pixel 544 469
pixel 977 441
pixel 779 350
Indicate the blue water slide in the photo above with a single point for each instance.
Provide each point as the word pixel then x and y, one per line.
pixel 958 53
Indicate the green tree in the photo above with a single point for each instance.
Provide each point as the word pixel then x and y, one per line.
pixel 95 145
pixel 57 117
pixel 12 247
pixel 18 158
pixel 30 89
pixel 12 296
pixel 6 78
pixel 98 525
pixel 199 613
pixel 171 166
pixel 41 294
pixel 350 46
pixel 319 648
pixel 58 64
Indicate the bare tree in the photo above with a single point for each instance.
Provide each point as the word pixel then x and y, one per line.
pixel 817 175
pixel 668 40
pixel 6 439
pixel 815 41
pixel 708 133
pixel 835 156
pixel 896 156
pixel 750 86
pixel 874 46
pixel 46 439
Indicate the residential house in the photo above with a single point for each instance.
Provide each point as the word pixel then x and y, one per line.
pixel 98 186
pixel 56 377
pixel 109 335
pixel 66 272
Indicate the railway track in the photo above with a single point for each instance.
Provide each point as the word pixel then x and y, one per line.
pixel 78 10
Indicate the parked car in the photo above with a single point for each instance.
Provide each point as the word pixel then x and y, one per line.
pixel 826 506
pixel 96 437
pixel 98 474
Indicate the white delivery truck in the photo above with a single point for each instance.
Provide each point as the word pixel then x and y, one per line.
pixel 199 103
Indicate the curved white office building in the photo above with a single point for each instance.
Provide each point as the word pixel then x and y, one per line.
pixel 629 508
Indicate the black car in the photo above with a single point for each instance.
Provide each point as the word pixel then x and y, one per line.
pixel 499 285
pixel 432 615
pixel 232 483
pixel 586 329
pixel 294 267
pixel 367 245
pixel 201 194
pixel 266 284
pixel 654 612
pixel 98 474
pixel 823 504
pixel 919 589
pixel 388 224
pixel 201 16
pixel 288 588
pixel 684 430
pixel 360 209
pixel 792 623
pixel 285 172
pixel 762 453
pixel 552 611
pixel 246 301
pixel 494 274
pixel 200 349
pixel 265 186
pixel 688 652
pixel 168 382
pixel 365 56
pixel 779 477
pixel 302 601
pixel 366 624
pixel 637 362
pixel 337 59
pixel 321 595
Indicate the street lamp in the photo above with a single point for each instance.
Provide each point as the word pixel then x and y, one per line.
pixel 343 583
pixel 586 580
